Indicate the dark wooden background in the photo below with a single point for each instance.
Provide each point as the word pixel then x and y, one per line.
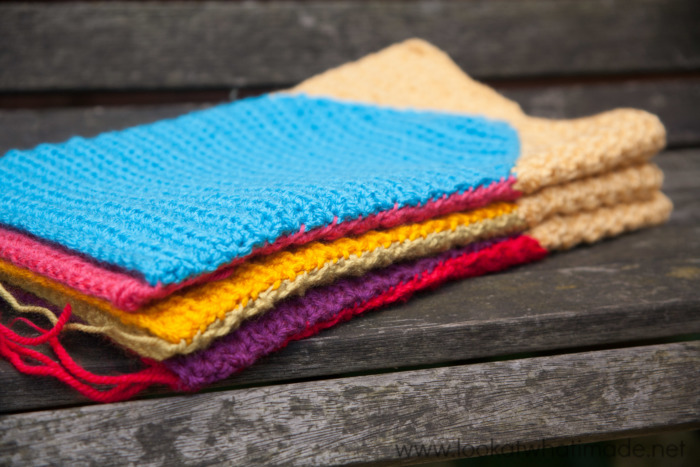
pixel 613 326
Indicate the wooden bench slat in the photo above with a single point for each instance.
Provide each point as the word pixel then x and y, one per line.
pixel 553 400
pixel 676 101
pixel 23 129
pixel 639 286
pixel 139 45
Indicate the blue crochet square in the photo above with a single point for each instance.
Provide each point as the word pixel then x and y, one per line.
pixel 177 198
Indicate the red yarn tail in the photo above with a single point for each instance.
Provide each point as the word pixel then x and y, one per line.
pixel 17 350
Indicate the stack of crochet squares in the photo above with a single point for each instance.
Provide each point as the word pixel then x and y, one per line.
pixel 205 242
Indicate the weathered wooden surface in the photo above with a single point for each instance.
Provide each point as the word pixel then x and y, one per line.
pixel 559 399
pixel 140 45
pixel 639 286
pixel 675 101
pixel 24 129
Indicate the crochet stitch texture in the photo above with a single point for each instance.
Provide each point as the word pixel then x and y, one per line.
pixel 179 198
pixel 558 231
pixel 183 324
pixel 255 286
pixel 583 180
pixel 415 74
pixel 130 293
pixel 322 307
pixel 412 74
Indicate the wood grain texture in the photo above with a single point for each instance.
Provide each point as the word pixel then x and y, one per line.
pixel 25 129
pixel 138 45
pixel 561 399
pixel 639 286
pixel 675 101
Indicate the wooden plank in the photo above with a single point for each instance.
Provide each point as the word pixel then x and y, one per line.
pixel 675 101
pixel 554 400
pixel 137 45
pixel 26 128
pixel 639 286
